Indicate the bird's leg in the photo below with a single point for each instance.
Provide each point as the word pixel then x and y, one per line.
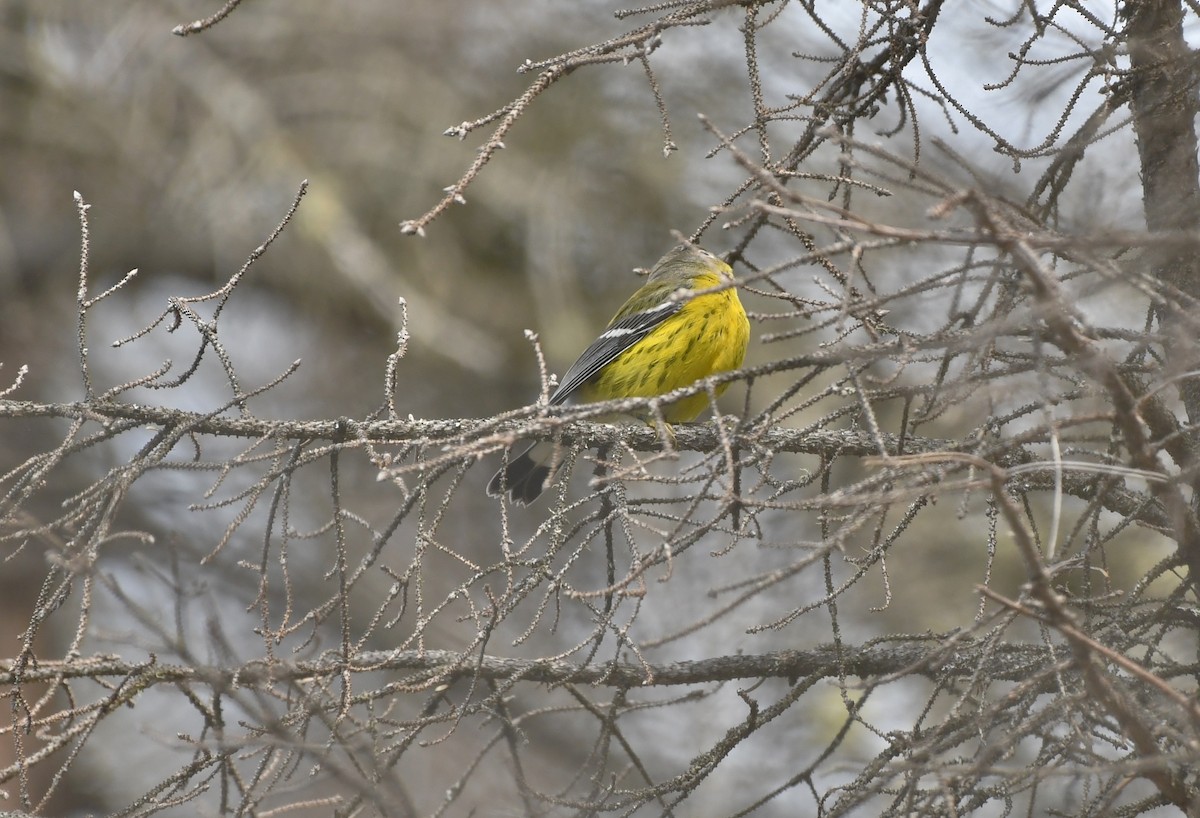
pixel 666 433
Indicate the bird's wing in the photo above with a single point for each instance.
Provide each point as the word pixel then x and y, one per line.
pixel 620 336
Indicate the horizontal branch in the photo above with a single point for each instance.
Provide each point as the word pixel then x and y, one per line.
pixel 482 435
pixel 436 667
pixel 700 437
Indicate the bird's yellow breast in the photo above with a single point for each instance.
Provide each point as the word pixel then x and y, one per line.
pixel 708 335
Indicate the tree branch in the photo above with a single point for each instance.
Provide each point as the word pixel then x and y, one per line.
pixel 931 658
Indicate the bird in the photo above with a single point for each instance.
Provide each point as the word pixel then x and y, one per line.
pixel 684 324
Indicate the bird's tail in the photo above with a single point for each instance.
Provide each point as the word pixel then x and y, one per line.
pixel 524 477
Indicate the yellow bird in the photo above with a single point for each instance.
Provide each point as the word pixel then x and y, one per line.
pixel 669 334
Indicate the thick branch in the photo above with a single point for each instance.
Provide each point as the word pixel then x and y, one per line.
pixel 434 667
pixel 1165 108
pixel 482 435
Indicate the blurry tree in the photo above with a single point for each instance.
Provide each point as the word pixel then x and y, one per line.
pixel 938 556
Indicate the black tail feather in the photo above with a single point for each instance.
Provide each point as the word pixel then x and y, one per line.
pixel 524 478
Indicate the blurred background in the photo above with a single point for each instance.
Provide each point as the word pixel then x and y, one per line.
pixel 191 150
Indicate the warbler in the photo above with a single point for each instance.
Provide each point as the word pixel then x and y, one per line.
pixel 669 334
